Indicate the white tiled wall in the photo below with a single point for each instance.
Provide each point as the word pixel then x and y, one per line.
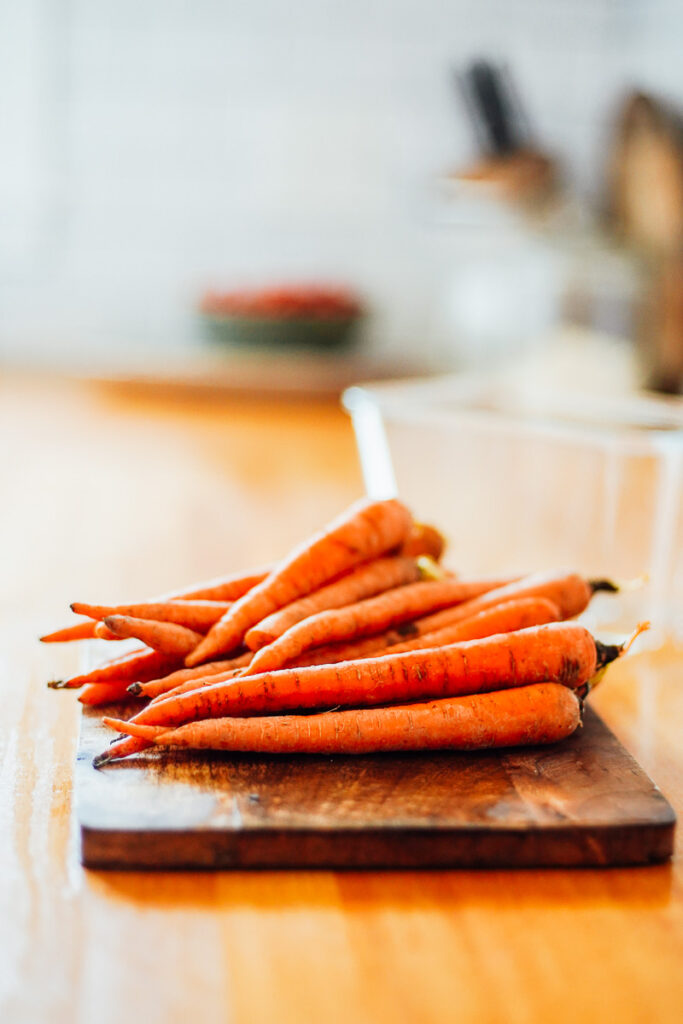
pixel 154 146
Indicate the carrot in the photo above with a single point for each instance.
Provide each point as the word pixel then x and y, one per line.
pixel 365 531
pixel 365 617
pixel 569 591
pixel 424 540
pixel 134 730
pixel 155 687
pixel 508 617
pixel 160 636
pixel 196 615
pixel 560 652
pixel 196 684
pixel 79 631
pixel 93 694
pixel 121 748
pixel 222 588
pixel 517 614
pixel 512 615
pixel 140 664
pixel 540 713
pixel 372 578
pixel 354 650
pixel 103 633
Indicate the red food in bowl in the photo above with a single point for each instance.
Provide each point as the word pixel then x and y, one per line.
pixel 285 302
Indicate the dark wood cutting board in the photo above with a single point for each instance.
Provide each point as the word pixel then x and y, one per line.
pixel 581 802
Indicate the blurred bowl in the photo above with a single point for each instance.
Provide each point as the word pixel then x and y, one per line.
pixel 290 317
pixel 271 332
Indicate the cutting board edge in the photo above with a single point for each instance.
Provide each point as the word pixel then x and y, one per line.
pixel 622 845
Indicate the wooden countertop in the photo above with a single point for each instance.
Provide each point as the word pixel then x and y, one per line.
pixel 110 492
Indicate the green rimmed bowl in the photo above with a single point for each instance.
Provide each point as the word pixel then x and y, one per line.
pixel 320 334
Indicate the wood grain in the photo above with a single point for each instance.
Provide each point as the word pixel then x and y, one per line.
pixel 578 803
pixel 108 494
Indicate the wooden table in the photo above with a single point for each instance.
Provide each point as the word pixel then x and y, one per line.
pixel 108 493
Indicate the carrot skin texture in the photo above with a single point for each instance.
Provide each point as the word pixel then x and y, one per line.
pixel 196 615
pixel 536 714
pixel 166 637
pixel 424 539
pixel 365 531
pixel 196 684
pixel 156 687
pixel 382 574
pixel 569 591
pixel 514 614
pixel 501 618
pixel 559 652
pixel 122 748
pixel 133 730
pixel 103 633
pixel 94 694
pixel 221 588
pixel 504 618
pixel 365 617
pixel 80 631
pixel 140 664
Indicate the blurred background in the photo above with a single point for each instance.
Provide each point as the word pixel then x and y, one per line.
pixel 458 182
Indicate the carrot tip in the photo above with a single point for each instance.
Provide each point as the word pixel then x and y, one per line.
pixel 112 723
pixel 101 759
pixel 135 689
pixel 56 684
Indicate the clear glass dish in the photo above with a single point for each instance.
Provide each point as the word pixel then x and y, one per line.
pixel 524 478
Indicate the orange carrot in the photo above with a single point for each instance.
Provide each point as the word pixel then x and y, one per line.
pixel 424 540
pixel 539 713
pixel 196 684
pixel 374 577
pixel 165 637
pixel 517 614
pixel 222 588
pixel 196 615
pixel 121 748
pixel 365 531
pixel 559 652
pixel 94 694
pixel 140 664
pixel 570 592
pixel 155 687
pixel 80 631
pixel 365 617
pixel 508 617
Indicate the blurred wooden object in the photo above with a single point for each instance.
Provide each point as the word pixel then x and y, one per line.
pixel 525 177
pixel 646 176
pixel 511 167
pixel 108 492
pixel 645 210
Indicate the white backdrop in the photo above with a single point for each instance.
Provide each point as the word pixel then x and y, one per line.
pixel 152 147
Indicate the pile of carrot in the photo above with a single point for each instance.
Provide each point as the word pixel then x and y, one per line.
pixel 357 641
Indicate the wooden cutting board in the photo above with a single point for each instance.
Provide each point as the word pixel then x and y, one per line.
pixel 581 802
